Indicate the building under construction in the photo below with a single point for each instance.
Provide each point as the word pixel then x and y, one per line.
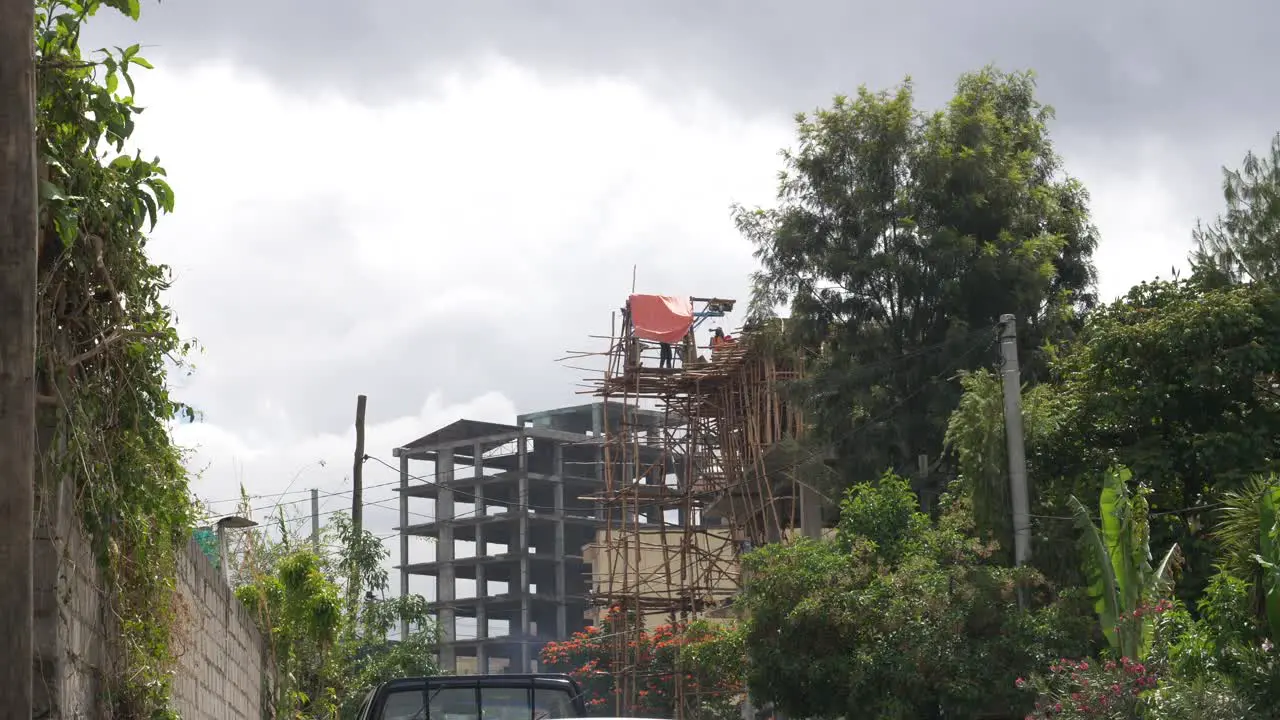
pixel 711 472
pixel 526 495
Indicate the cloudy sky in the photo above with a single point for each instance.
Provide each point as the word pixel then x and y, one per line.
pixel 429 202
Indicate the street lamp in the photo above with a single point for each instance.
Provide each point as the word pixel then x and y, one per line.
pixel 234 522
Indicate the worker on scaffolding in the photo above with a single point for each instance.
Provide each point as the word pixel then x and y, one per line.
pixel 631 343
pixel 720 341
pixel 688 352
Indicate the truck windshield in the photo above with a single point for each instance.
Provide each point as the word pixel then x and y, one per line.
pixel 495 703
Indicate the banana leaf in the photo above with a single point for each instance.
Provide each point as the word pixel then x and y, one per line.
pixel 1099 571
pixel 1118 532
pixel 1269 547
pixel 1159 584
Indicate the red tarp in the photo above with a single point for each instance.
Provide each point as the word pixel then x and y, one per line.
pixel 661 318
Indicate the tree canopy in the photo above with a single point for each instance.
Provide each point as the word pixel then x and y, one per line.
pixel 1243 243
pixel 899 239
pixel 898 617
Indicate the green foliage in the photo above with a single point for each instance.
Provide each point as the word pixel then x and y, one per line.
pixel 1173 382
pixel 1249 531
pixel 1269 555
pixel 106 340
pixel 714 655
pixel 1219 665
pixel 899 239
pixel 885 514
pixel 1176 381
pixel 1118 564
pixel 304 611
pixel 976 434
pixel 328 658
pixel 1243 244
pixel 837 629
pixel 1212 697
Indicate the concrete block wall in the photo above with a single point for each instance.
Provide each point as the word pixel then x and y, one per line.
pixel 220 669
pixel 74 632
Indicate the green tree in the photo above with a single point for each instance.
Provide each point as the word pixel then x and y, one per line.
pixel 1176 381
pixel 328 658
pixel 1243 243
pixel 899 239
pixel 976 437
pixel 928 628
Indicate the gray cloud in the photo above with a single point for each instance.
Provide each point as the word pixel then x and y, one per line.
pixel 1118 73
pixel 1178 73
pixel 1165 66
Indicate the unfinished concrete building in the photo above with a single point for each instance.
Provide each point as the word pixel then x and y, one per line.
pixel 527 496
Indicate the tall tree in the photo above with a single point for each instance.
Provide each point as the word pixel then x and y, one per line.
pixel 1178 381
pixel 899 239
pixel 1243 244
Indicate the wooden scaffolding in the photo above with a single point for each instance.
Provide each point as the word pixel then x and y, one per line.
pixel 684 497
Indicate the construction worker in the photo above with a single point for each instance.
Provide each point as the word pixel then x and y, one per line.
pixel 630 344
pixel 665 360
pixel 719 340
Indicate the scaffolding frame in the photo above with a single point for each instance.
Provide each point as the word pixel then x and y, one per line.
pixel 724 416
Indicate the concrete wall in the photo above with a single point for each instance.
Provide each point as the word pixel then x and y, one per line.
pixel 220 667
pixel 630 562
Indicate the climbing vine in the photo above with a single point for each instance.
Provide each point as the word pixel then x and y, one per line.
pixel 107 342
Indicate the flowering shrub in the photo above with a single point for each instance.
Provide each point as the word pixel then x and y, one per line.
pixel 1104 690
pixel 625 670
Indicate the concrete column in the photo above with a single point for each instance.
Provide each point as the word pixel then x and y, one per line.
pixel 446 582
pixel 597 423
pixel 523 548
pixel 482 550
pixel 404 538
pixel 810 513
pixel 562 610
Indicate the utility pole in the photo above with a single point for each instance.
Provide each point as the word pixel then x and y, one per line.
pixel 357 506
pixel 18 255
pixel 357 470
pixel 1012 377
pixel 315 520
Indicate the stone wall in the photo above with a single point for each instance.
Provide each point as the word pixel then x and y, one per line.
pixel 220 666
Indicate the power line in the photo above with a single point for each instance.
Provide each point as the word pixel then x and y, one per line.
pixel 433 478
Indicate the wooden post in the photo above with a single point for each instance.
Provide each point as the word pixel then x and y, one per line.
pixel 357 507
pixel 18 233
pixel 357 471
pixel 315 521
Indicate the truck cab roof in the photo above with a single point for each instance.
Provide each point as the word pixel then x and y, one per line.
pixel 538 696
